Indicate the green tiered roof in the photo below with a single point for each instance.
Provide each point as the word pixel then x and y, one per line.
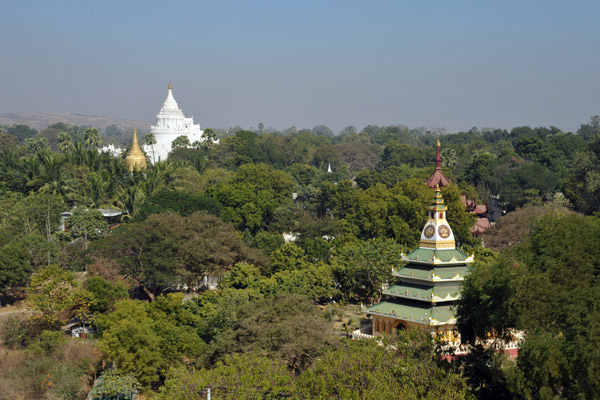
pixel 420 312
pixel 443 255
pixel 423 272
pixel 432 275
pixel 424 292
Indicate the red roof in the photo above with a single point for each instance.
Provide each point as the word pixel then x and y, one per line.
pixel 481 225
pixel 469 204
pixel 480 209
pixel 437 179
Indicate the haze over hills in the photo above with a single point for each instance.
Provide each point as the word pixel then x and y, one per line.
pixel 42 120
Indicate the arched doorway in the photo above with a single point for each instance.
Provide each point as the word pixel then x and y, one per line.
pixel 400 326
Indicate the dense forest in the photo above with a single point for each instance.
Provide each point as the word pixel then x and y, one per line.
pixel 276 326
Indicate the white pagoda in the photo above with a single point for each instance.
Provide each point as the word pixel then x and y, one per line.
pixel 170 124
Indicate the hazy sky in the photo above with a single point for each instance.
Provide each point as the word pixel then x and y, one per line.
pixel 453 64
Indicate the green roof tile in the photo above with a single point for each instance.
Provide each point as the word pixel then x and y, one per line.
pixel 445 255
pixel 425 272
pixel 424 292
pixel 415 311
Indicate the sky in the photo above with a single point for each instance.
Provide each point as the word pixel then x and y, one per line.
pixel 435 64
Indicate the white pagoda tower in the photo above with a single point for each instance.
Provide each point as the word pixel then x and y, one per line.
pixel 170 124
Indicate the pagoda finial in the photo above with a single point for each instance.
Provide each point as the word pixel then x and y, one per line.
pixel 136 160
pixel 170 87
pixel 438 158
pixel 135 132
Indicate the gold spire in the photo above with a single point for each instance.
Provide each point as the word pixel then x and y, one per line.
pixel 438 142
pixel 170 87
pixel 136 160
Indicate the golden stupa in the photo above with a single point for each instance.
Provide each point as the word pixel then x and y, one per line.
pixel 136 160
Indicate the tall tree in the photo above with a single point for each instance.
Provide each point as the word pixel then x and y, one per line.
pixel 92 137
pixel 546 286
pixel 209 136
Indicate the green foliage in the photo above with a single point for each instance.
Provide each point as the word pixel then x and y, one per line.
pixel 105 293
pixel 362 268
pixel 237 376
pixel 146 339
pixel 252 196
pixel 166 248
pixel 242 275
pixel 303 174
pixel 397 154
pixel 111 385
pixel 92 137
pixel 43 213
pixel 173 201
pixel 315 282
pixel 546 286
pixel 181 141
pixel 589 130
pixel 582 186
pixel 364 369
pixel 341 227
pixel 14 266
pixel 22 131
pixel 86 224
pixel 268 242
pixel 285 326
pixel 83 304
pixel 218 311
pixel 50 291
pixel 47 343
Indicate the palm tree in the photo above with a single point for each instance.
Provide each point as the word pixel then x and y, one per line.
pixel 57 181
pixel 95 191
pixel 77 154
pixel 449 158
pixel 209 136
pixel 91 159
pixel 129 198
pixel 11 171
pixel 32 173
pixel 151 140
pixel 64 142
pixel 92 137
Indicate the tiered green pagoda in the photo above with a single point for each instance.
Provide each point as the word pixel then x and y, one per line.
pixel 428 284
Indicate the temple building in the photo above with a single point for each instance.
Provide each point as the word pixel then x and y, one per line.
pixel 438 178
pixel 482 222
pixel 170 124
pixel 136 159
pixel 428 285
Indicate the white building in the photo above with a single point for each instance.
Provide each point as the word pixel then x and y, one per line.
pixel 170 124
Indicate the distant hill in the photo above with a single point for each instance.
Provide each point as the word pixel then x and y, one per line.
pixel 41 120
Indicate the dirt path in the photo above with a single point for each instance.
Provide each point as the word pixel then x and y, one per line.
pixel 13 309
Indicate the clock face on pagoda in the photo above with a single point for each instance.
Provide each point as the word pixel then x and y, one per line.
pixel 429 231
pixel 444 231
